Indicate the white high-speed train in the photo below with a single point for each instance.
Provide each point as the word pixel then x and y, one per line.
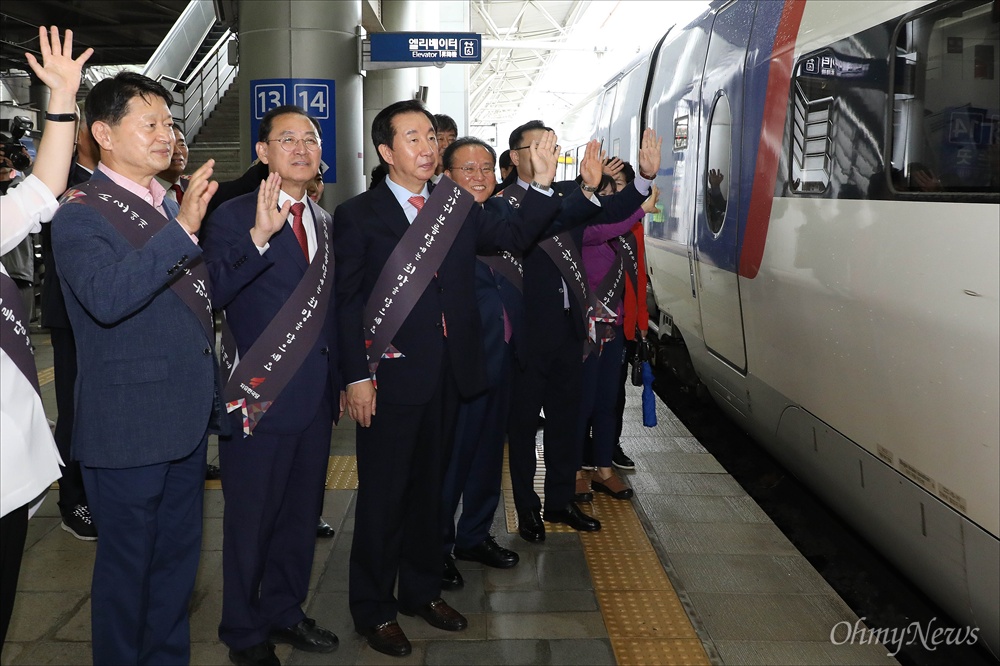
pixel 837 290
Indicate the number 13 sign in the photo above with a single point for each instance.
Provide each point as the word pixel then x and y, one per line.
pixel 315 96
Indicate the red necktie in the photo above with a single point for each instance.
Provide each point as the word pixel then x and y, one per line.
pixel 176 187
pixel 298 228
pixel 417 202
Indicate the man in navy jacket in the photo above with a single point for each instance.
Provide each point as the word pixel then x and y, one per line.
pixel 147 385
pixel 271 260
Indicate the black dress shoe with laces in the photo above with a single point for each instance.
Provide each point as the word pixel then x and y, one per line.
pixel 255 655
pixel 387 638
pixel 490 553
pixel 530 526
pixel 573 517
pixel 306 636
pixel 439 614
pixel 451 578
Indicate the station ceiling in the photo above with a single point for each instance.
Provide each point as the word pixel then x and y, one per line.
pixel 520 39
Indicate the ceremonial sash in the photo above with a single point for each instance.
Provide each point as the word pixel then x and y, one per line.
pixel 612 287
pixel 137 221
pixel 256 380
pixel 14 338
pixel 410 267
pixel 507 265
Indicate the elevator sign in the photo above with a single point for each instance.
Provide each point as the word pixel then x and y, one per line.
pixel 413 47
pixel 315 96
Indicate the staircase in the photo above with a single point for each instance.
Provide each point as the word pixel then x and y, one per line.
pixel 219 138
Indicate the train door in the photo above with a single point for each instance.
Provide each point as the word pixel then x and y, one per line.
pixel 716 248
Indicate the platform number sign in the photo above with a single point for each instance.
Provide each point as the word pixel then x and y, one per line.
pixel 315 96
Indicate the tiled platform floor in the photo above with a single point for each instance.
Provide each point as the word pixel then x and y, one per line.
pixel 689 571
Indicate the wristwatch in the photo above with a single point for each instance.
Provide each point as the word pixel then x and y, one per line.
pixel 587 188
pixel 61 117
pixel 545 188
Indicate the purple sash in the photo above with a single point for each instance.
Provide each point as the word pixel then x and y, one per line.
pixel 138 221
pixel 410 267
pixel 507 265
pixel 276 355
pixel 14 338
pixel 612 287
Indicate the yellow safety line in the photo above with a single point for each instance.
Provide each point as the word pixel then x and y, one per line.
pixel 645 620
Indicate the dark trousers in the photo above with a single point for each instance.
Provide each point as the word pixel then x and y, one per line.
pixel 150 522
pixel 71 491
pixel 476 463
pixel 599 398
pixel 551 381
pixel 273 487
pixel 13 529
pixel 397 526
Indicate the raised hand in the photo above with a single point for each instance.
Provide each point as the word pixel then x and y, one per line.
pixel 544 158
pixel 59 71
pixel 649 205
pixel 592 163
pixel 649 153
pixel 269 217
pixel 199 192
pixel 613 167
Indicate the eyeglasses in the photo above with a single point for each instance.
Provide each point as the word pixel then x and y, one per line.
pixel 289 143
pixel 558 147
pixel 470 170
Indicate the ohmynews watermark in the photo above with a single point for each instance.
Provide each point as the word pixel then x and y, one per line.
pixel 895 638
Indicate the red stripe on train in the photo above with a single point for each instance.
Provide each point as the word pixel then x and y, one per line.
pixel 772 130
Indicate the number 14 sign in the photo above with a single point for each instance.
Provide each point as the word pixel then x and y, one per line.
pixel 315 96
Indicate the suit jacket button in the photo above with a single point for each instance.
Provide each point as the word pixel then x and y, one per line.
pixel 324 351
pixel 206 351
pixel 560 290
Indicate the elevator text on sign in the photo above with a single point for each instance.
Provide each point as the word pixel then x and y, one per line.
pixel 460 47
pixel 315 96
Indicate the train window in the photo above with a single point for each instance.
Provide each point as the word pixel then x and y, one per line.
pixel 812 125
pixel 946 111
pixel 718 166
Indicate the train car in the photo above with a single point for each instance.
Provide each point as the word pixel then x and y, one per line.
pixel 828 255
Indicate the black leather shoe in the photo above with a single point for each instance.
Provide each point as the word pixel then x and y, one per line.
pixel 323 530
pixel 388 638
pixel 573 517
pixel 530 526
pixel 451 579
pixel 490 553
pixel 306 636
pixel 255 655
pixel 439 614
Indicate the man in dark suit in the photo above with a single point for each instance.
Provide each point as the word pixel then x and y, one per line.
pixel 147 385
pixel 549 371
pixel 474 467
pixel 270 256
pixel 73 506
pixel 431 355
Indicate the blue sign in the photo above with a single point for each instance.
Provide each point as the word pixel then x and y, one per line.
pixel 461 47
pixel 315 96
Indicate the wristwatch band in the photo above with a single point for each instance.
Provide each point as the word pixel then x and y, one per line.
pixel 61 117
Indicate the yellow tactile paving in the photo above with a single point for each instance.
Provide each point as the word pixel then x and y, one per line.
pixel 646 622
pixel 677 652
pixel 645 614
pixel 46 376
pixel 342 473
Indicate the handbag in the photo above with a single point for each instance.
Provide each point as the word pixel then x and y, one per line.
pixel 643 354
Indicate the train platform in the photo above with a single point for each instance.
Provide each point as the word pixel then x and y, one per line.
pixel 690 571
